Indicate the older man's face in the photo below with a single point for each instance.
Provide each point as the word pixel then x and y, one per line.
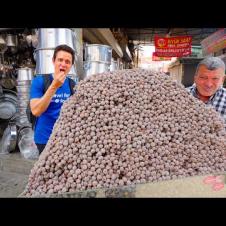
pixel 207 81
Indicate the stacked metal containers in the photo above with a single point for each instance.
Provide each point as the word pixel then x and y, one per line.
pixel 48 39
pixel 114 65
pixel 79 52
pixel 97 59
pixel 24 78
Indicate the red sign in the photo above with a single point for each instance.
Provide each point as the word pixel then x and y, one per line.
pixel 173 46
pixel 157 58
pixel 214 42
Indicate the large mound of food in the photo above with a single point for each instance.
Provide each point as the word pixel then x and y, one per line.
pixel 128 127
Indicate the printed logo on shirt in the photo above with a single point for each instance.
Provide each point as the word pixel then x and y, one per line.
pixel 60 98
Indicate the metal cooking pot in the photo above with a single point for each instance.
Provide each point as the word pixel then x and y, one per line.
pixel 8 105
pixel 7 109
pixel 95 67
pixel 23 83
pixel 22 104
pixel 10 94
pixel 97 52
pixel 23 131
pixel 22 110
pixel 22 120
pixel 3 46
pixel 9 139
pixel 114 65
pixel 23 95
pixel 11 40
pixel 25 74
pixel 23 89
pixel 8 83
pixel 44 63
pixel 8 91
pixel 52 37
pixel 23 98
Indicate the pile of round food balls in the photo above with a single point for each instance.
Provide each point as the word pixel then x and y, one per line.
pixel 128 127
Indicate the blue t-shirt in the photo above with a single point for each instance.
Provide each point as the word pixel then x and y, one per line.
pixel 45 122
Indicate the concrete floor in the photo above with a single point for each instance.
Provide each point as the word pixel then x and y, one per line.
pixel 12 184
pixel 14 172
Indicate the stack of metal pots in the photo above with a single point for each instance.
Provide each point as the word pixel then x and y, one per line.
pixel 8 108
pixel 97 59
pixel 114 65
pixel 48 40
pixel 24 78
pixel 79 52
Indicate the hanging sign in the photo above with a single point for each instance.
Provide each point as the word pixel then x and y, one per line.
pixel 214 42
pixel 173 46
pixel 157 58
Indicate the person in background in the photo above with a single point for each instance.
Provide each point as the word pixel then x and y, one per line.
pixel 46 106
pixel 208 84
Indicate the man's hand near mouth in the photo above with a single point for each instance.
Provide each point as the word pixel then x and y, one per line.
pixel 59 78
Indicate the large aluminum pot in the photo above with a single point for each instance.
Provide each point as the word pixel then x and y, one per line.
pixel 97 52
pixel 22 89
pixel 114 65
pixel 52 37
pixel 95 67
pixel 44 63
pixel 23 98
pixel 23 83
pixel 25 74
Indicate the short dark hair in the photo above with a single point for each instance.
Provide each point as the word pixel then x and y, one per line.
pixel 65 48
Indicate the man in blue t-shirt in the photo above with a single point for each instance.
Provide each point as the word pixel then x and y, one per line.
pixel 46 106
